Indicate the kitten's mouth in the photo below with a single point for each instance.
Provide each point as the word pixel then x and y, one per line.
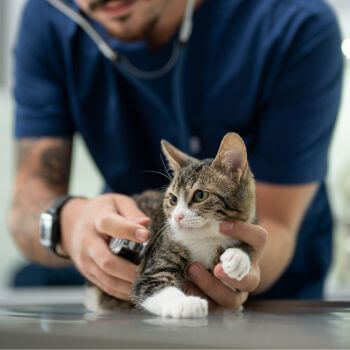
pixel 186 228
pixel 190 226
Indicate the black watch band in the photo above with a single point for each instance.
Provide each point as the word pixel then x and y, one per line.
pixel 50 227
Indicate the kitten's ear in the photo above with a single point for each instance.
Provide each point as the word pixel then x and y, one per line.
pixel 176 158
pixel 232 156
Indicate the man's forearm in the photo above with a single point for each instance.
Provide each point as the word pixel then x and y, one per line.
pixel 42 175
pixel 27 206
pixel 280 210
pixel 278 253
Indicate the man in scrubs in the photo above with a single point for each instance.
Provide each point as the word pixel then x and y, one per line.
pixel 269 70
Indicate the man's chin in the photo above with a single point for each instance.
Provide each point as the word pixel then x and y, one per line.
pixel 122 31
pixel 122 36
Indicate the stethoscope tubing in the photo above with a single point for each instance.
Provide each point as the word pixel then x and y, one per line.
pixel 125 66
pixel 119 59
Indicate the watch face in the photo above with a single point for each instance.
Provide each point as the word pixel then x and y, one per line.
pixel 45 225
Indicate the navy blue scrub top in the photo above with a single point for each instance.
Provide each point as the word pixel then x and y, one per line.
pixel 270 70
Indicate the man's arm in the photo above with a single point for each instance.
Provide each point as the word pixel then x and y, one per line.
pixel 42 174
pixel 280 209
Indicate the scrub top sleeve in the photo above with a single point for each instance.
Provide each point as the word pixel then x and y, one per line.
pixel 41 104
pixel 296 120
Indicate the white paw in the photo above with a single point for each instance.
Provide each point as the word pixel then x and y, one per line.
pixel 187 307
pixel 235 263
pixel 172 302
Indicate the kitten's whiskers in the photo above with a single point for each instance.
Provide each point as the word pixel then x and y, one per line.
pixel 157 172
pixel 158 235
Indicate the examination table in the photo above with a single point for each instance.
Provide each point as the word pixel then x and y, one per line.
pixel 53 318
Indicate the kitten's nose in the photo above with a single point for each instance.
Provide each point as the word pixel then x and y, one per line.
pixel 179 217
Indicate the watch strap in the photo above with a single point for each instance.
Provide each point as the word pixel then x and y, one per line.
pixel 58 204
pixel 55 211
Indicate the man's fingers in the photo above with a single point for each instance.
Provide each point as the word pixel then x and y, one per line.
pixel 111 264
pixel 215 289
pixel 118 226
pixel 254 235
pixel 128 208
pixel 112 286
pixel 248 284
pixel 140 220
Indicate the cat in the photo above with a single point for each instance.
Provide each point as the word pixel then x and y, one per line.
pixel 185 228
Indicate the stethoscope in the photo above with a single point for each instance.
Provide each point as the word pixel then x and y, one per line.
pixel 121 60
pixel 137 75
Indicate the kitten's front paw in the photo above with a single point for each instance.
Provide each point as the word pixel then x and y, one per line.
pixel 235 263
pixel 186 307
pixel 172 302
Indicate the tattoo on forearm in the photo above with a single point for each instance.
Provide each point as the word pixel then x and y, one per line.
pixel 55 166
pixel 48 161
pixel 43 167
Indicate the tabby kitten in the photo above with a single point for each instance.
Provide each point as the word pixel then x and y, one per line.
pixel 185 228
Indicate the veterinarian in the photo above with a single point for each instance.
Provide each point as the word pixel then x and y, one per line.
pixel 125 74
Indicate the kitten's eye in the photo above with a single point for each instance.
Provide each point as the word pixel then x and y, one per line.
pixel 200 196
pixel 172 200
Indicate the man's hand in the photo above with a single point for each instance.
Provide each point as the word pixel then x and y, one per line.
pixel 88 225
pixel 222 289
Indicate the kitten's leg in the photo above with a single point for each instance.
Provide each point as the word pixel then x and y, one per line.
pixel 100 302
pixel 235 263
pixel 167 300
pixel 158 287
pixel 172 302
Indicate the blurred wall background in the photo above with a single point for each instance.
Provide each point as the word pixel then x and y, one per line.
pixel 87 181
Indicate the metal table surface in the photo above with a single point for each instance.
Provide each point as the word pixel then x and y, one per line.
pixel 43 319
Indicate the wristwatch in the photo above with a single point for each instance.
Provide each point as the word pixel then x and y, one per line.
pixel 49 225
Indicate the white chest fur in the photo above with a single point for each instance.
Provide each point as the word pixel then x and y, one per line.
pixel 206 251
pixel 205 244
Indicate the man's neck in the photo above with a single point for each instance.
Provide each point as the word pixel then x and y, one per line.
pixel 169 23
